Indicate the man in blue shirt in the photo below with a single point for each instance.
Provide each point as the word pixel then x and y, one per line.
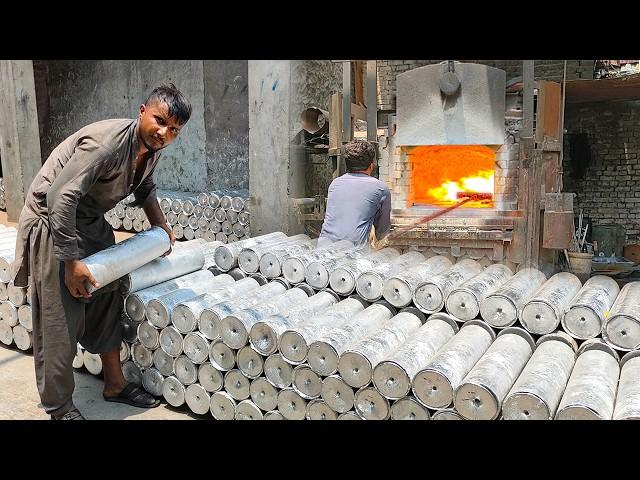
pixel 356 200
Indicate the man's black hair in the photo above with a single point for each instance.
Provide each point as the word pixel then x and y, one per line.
pixel 358 155
pixel 179 106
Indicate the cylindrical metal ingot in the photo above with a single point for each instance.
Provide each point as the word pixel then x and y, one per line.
pixel 203 199
pixel 197 399
pixel 163 362
pixel 591 390
pixel 349 416
pixel 337 394
pixel 480 395
pixel 277 371
pixel 447 414
pixel 152 381
pixel 238 231
pixel 221 356
pixel 146 224
pixel 171 341
pixel 317 272
pixel 306 382
pixel 294 267
pixel 78 361
pixel 196 347
pixel 130 212
pixel 131 373
pixel 176 205
pixel 141 355
pixel 500 309
pixel 542 313
pixel 318 410
pixel 324 353
pixel 22 337
pixel 247 410
pixel 178 231
pixel 430 295
pixel 198 234
pixel 127 224
pixel 159 309
pixel 234 329
pixel 215 226
pixel 119 209
pixel 271 262
pixel 273 415
pixel 194 222
pixel 237 385
pixel 92 362
pixel 214 200
pixel 24 317
pixel 585 315
pixel 237 203
pixel 622 326
pixel 135 303
pixel 392 376
pixel 209 249
pixel 294 343
pixel 539 388
pixel 17 295
pixel 203 224
pixel 371 405
pixel 357 363
pixel 122 258
pixel 222 237
pixel 398 289
pixel 184 370
pixel 186 314
pixel 173 391
pixel 222 406
pixel 233 218
pixel 198 211
pixel 627 406
pixel 6 259
pixel 408 408
pixel 225 202
pixel 172 219
pixel 140 215
pixel 29 295
pixel 211 317
pixel 226 256
pixel 464 301
pixel 188 206
pixel 8 314
pixel 249 257
pixel 244 218
pixel 264 335
pixel 125 352
pixel 220 214
pixel 137 225
pixel 250 362
pixel 188 233
pixel 3 291
pixel 343 277
pixel 263 394
pixel 291 405
pixel 227 227
pixel 210 378
pixel 148 335
pixel 116 223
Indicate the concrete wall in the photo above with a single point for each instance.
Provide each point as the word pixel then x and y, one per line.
pixel 609 191
pixel 81 92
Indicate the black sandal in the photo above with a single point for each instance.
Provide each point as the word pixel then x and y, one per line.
pixel 134 396
pixel 73 414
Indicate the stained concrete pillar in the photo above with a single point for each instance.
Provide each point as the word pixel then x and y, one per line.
pixel 19 134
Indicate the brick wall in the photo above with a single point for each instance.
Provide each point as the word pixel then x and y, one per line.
pixel 609 191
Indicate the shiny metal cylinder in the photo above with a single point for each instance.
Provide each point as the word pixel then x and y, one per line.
pixel 244 218
pixel 337 394
pixel 480 395
pixel 196 347
pixel 249 257
pixel 3 291
pixel 78 361
pixel 271 261
pixel 343 276
pixel 225 202
pixel 185 370
pixel 183 220
pixel 152 381
pixel 238 203
pixel 188 233
pixel 149 335
pixel 234 328
pixel 127 223
pixel 371 405
pixel 6 259
pixel 464 301
pixel 141 355
pixel 592 386
pixel 277 371
pixel 539 388
pixel 210 378
pixel 6 332
pixel 294 343
pixel 247 410
pixel 92 362
pixel 586 313
pixel 173 391
pixel 349 416
pixel 392 376
pixel 435 384
pixel 294 267
pixel 500 309
pixel 318 410
pixel 24 317
pixel 132 373
pixel 226 256
pixel 16 295
pixel 306 382
pixel 222 237
pixel 398 289
pixel 542 313
pixel 163 362
pixel 622 326
pixel 197 399
pixel 264 334
pixel 194 222
pixel 324 353
pixel 171 341
pixel 358 361
pixel 22 338
pixel 221 356
pixel 291 405
pixel 203 199
pixel 125 257
pixel 227 228
pixel 627 406
pixel 263 394
pixel 408 408
pixel 222 406
pixel 8 314
pixel 447 414
pixel 237 385
pixel 249 362
pixel 430 295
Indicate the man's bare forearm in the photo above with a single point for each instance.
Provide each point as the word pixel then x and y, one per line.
pixel 152 208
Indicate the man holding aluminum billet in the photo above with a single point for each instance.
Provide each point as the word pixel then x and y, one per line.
pixel 63 222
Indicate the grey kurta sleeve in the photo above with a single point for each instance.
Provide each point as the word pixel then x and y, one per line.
pixel 86 165
pixel 382 219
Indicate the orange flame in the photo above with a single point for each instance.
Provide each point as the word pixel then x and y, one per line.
pixel 438 173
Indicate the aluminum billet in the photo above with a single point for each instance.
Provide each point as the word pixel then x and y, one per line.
pixel 24 317
pixel 222 406
pixel 8 314
pixel 173 391
pixel 291 405
pixel 447 414
pixel 249 362
pixel 132 373
pixel 263 394
pixel 149 335
pixel 294 267
pixel 277 371
pixel 342 278
pixel 210 378
pixel 349 416
pixel 586 313
pixel 249 257
pixel 141 355
pixel 371 405
pixel 622 326
pixel 17 295
pixel 125 352
pixel 163 362
pixel 226 256
pixel 3 291
pixel 196 347
pixel 318 410
pixel 152 381
pixel 197 399
pixel 337 394
pixel 22 337
pixel 92 362
pixel 306 382
pixel 171 341
pixel 78 361
pixel 237 385
pixel 271 261
pixel 408 408
pixel 398 289
pixel 247 410
pixel 221 356
pixel 627 406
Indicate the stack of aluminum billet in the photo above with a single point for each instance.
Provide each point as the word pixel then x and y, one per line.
pixel 3 198
pixel 15 302
pixel 221 215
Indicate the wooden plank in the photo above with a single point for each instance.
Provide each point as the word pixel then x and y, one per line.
pixel 620 88
pixel 359 112
pixel 335 124
pixel 548 113
pixel 358 82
